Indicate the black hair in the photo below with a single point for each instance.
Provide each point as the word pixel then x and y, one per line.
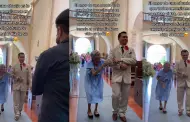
pixel 123 32
pixel 184 51
pixel 63 21
pixel 21 53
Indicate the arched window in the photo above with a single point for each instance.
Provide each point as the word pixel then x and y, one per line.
pixel 82 45
pixel 156 53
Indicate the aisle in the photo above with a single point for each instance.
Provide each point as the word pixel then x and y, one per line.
pixel 155 115
pixel 105 108
pixel 8 114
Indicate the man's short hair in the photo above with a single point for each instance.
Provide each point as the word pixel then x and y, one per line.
pixel 123 32
pixel 63 21
pixel 21 53
pixel 184 51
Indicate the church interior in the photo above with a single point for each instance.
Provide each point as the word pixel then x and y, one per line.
pixel 159 48
pixel 41 35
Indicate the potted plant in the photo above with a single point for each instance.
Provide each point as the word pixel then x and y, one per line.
pixel 148 70
pixel 74 60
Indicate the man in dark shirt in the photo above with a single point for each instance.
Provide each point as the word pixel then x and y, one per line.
pixel 51 77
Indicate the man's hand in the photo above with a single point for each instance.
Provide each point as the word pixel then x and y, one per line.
pixel 116 60
pixel 20 79
pixel 184 75
pixel 123 66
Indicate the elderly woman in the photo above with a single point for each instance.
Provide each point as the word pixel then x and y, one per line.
pixel 164 84
pixel 94 82
pixel 4 84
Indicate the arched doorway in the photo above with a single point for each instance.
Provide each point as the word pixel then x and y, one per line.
pixel 83 45
pixel 156 53
pixel 1 56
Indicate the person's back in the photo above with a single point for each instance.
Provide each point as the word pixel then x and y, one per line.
pixel 51 77
pixel 55 101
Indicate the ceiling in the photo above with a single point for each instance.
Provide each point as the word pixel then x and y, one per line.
pixel 156 39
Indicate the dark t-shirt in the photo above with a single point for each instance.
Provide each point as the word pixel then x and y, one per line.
pixel 51 78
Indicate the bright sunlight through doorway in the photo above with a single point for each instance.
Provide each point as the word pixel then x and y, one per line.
pixel 156 53
pixel 82 46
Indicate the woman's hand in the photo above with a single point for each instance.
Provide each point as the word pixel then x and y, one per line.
pixel 104 65
pixel 93 72
pixel 163 85
pixel 161 82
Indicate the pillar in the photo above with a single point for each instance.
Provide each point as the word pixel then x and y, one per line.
pixel 173 52
pixel 10 53
pixel 139 46
pixel 97 43
pixel 135 7
pixel 122 20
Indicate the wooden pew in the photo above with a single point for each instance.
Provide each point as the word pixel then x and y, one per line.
pixel 138 86
pixel 133 75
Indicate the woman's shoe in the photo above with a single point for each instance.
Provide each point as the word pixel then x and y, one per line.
pixel 96 114
pixel 160 108
pixel 164 111
pixel 90 116
pixel 2 109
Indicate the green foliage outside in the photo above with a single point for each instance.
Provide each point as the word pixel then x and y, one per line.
pixel 89 49
pixel 163 60
pixel 1 60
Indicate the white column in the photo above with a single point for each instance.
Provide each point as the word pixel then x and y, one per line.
pixel 122 20
pixel 139 46
pixel 57 8
pixel 97 42
pixel 135 7
pixel 10 53
pixel 173 52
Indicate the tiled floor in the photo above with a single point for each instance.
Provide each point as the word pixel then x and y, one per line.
pixel 155 115
pixel 105 108
pixel 8 114
pixel 77 101
pixel 78 105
